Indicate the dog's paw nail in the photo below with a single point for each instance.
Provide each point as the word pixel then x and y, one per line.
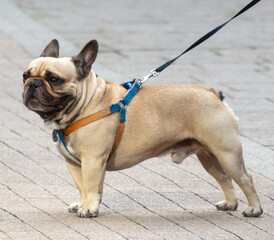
pixel 86 213
pixel 95 214
pixel 81 212
pixel 73 208
pixel 227 206
pixel 253 211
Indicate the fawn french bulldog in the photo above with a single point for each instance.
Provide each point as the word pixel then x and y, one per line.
pixel 177 119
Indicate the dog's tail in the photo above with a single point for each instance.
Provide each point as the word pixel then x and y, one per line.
pixel 218 94
pixel 221 96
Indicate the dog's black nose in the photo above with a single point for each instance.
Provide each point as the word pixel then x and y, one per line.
pixel 35 83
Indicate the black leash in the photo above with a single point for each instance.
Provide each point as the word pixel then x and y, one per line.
pixel 157 71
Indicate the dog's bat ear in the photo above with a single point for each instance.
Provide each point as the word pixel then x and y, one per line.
pixel 51 50
pixel 84 60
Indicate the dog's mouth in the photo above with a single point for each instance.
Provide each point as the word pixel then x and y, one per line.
pixel 31 101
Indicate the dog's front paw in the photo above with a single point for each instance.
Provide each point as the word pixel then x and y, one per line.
pixel 73 208
pixel 253 211
pixel 227 206
pixel 87 213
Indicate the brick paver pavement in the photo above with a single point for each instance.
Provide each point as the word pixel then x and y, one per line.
pixel 156 199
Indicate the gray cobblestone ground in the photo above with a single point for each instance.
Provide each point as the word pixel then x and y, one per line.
pixel 156 199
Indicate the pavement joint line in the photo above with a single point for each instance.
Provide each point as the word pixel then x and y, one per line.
pixel 14 215
pixel 178 166
pixel 131 220
pixel 3 232
pixel 155 213
pixel 24 119
pixel 11 60
pixel 255 141
pixel 29 158
pixel 19 116
pixel 180 206
pixel 37 165
pixel 97 221
pixel 125 216
pixel 10 189
pixel 104 204
pixel 26 176
pixel 35 143
pixel 13 97
pixel 7 76
pixel 269 100
pixel 227 212
pixel 266 164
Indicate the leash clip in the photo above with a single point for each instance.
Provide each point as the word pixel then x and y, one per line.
pixel 153 73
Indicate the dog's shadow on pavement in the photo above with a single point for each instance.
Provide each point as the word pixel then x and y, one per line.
pixel 182 218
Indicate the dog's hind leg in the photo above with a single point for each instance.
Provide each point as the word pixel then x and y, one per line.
pixel 233 163
pixel 213 167
pixel 228 150
pixel 221 136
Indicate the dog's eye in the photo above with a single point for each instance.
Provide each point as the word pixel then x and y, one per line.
pixel 25 77
pixel 53 80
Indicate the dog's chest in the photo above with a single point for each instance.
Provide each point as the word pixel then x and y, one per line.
pixel 67 152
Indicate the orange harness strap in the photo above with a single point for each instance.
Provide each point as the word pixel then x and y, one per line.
pixel 92 118
pixel 117 140
pixel 86 120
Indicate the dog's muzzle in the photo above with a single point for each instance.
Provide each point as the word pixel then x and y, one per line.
pixel 34 84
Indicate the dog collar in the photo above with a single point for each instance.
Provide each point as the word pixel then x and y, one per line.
pixel 133 87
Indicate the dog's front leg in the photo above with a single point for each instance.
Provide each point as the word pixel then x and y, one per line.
pixel 76 173
pixel 93 174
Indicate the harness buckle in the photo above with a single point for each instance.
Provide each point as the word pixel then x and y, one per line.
pixel 140 81
pixel 122 105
